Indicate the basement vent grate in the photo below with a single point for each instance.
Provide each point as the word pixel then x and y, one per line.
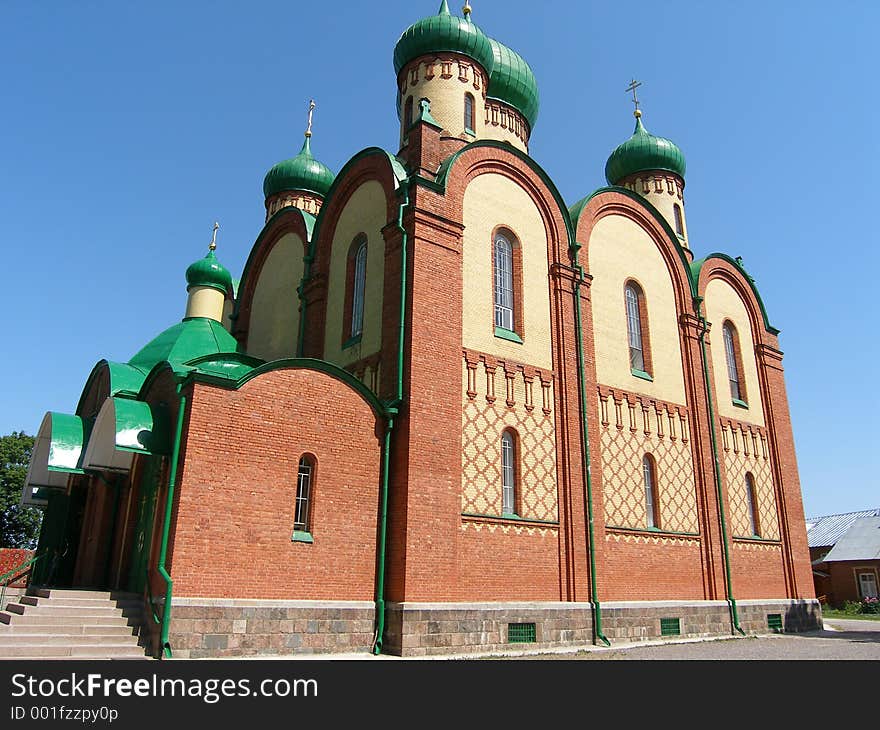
pixel 521 633
pixel 774 622
pixel 670 627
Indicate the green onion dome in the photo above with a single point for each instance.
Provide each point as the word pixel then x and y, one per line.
pixel 302 172
pixel 443 32
pixel 208 272
pixel 642 152
pixel 513 82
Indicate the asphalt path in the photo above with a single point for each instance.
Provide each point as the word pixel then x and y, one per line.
pixel 841 639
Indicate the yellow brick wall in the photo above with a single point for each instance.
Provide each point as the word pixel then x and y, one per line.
pixel 723 303
pixel 620 250
pixel 365 212
pixel 274 319
pixel 532 417
pixel 490 201
pixel 629 428
pixel 745 452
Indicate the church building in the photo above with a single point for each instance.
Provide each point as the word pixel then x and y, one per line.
pixel 443 410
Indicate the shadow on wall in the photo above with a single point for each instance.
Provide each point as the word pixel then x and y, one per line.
pixel 803 615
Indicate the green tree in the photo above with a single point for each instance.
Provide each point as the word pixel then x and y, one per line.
pixel 19 526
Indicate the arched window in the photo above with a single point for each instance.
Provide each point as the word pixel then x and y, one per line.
pixel 679 222
pixel 357 285
pixel 508 473
pixel 469 123
pixel 504 303
pixel 734 364
pixel 752 501
pixel 408 113
pixel 637 330
pixel 302 510
pixel 652 504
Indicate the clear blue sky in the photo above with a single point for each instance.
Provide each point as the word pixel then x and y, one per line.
pixel 128 128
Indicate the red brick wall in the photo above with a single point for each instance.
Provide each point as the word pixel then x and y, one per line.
pixel 237 486
pixel 756 573
pixel 494 566
pixel 644 571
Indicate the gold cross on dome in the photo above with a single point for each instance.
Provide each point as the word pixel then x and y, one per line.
pixel 213 243
pixel 309 126
pixel 633 85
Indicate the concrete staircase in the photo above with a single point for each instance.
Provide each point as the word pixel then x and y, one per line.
pixel 72 624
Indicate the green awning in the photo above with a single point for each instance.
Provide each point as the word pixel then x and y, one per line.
pixel 58 452
pixel 123 428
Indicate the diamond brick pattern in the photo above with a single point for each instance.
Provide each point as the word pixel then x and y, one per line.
pixel 736 464
pixel 482 424
pixel 621 453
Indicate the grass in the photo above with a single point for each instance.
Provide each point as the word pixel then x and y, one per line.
pixel 837 613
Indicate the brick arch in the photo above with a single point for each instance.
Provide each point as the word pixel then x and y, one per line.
pixel 717 266
pixel 287 220
pixel 615 203
pixel 371 164
pixel 480 159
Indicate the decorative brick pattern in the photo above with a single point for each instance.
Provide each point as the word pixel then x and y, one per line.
pixel 744 451
pixel 632 426
pixel 502 399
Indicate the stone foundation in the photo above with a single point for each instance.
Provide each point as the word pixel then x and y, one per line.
pixel 202 627
pixel 420 629
pixel 219 627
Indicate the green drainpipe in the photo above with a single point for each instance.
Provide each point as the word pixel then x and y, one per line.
pixel 166 526
pixel 698 301
pixel 307 272
pixel 383 518
pixel 391 410
pixel 582 392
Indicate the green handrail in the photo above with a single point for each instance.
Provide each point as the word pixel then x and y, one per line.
pixel 16 572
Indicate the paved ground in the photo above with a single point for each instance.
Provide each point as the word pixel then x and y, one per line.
pixel 841 639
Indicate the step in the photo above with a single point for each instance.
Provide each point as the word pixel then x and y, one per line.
pixel 85 657
pixel 67 629
pixel 96 640
pixel 105 650
pixel 80 602
pixel 56 620
pixel 49 609
pixel 79 593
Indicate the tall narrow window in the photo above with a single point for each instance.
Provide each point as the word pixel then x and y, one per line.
pixel 408 114
pixel 652 506
pixel 734 371
pixel 301 518
pixel 679 222
pixel 752 501
pixel 508 473
pixel 469 124
pixel 637 330
pixel 503 282
pixel 358 289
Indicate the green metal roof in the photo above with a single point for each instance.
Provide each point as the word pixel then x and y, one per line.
pixel 58 450
pixel 642 152
pixel 125 427
pixel 302 172
pixel 208 272
pixel 184 341
pixel 513 82
pixel 443 32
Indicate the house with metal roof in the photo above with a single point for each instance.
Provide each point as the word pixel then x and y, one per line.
pixel 845 554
